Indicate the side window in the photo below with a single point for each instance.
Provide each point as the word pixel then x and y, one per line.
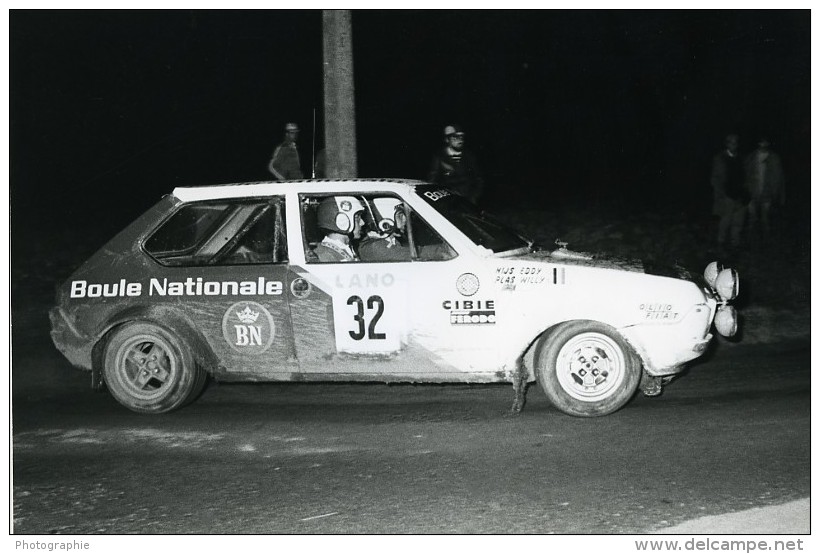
pixel 310 226
pixel 427 242
pixel 332 226
pixel 371 228
pixel 235 232
pixel 263 240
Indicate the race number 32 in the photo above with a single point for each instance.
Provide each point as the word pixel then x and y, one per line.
pixel 363 328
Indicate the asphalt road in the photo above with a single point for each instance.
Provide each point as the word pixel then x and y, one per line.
pixel 733 434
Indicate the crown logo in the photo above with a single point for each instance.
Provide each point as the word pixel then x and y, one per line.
pixel 247 315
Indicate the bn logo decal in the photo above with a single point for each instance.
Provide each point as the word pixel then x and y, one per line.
pixel 248 328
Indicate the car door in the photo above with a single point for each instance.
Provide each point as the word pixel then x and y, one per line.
pixel 454 315
pixel 348 317
pixel 224 263
pixel 388 320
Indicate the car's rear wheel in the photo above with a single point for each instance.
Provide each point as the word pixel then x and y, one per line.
pixel 150 370
pixel 586 369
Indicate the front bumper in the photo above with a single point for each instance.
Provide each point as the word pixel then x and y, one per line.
pixel 665 348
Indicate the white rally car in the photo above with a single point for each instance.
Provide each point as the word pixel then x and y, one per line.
pixel 371 280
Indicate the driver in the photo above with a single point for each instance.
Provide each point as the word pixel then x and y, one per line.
pixel 341 219
pixel 386 243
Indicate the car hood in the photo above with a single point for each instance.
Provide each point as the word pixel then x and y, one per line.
pixel 606 261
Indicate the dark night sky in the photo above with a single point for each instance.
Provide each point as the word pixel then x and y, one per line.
pixel 110 110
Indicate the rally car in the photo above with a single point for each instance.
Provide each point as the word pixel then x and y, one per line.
pixel 277 281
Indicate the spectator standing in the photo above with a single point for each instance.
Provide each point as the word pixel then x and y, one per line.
pixel 455 167
pixel 285 164
pixel 766 185
pixel 730 196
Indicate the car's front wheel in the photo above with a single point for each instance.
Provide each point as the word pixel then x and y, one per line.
pixel 586 369
pixel 150 370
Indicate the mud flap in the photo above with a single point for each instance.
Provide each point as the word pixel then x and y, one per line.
pixel 651 385
pixel 519 383
pixel 96 378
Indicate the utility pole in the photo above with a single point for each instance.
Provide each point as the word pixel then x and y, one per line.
pixel 340 109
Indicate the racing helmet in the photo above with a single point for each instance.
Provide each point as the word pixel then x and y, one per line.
pixel 384 210
pixel 338 213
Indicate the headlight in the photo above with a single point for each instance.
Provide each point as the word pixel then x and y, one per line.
pixel 726 320
pixel 727 284
pixel 711 273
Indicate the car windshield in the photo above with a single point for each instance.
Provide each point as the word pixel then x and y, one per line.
pixel 479 226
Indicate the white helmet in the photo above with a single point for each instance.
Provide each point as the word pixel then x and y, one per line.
pixel 338 213
pixel 384 213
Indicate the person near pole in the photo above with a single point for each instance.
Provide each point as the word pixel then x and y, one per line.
pixel 284 163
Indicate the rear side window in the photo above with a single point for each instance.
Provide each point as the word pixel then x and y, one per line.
pixel 235 232
pixel 185 230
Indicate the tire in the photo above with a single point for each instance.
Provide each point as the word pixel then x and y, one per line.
pixel 149 370
pixel 198 387
pixel 586 369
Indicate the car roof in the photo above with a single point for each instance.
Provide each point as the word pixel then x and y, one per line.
pixel 268 188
